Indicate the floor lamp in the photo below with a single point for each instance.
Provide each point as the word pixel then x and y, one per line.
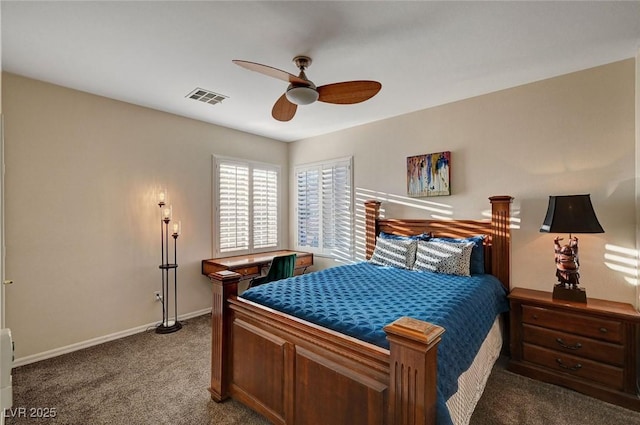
pixel 167 325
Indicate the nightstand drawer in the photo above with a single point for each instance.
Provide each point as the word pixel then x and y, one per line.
pixel 574 344
pixel 611 376
pixel 595 327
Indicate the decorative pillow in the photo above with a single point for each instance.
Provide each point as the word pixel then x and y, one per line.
pixel 399 253
pixel 477 254
pixel 444 257
pixel 420 237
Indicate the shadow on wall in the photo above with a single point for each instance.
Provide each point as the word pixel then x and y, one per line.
pixel 622 260
pixel 438 211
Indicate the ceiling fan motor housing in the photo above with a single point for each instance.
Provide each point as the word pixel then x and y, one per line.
pixel 302 94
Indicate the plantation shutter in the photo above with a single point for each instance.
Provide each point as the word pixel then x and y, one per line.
pixel 324 208
pixel 337 210
pixel 247 206
pixel 233 204
pixel 265 208
pixel 308 208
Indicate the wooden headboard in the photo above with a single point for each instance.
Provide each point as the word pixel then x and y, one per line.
pixel 497 244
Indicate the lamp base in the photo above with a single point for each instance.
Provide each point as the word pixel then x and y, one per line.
pixel 170 327
pixel 577 295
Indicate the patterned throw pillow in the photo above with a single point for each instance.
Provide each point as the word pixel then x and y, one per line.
pixel 444 257
pixel 399 253
pixel 477 254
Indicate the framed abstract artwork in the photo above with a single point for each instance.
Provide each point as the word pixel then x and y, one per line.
pixel 429 175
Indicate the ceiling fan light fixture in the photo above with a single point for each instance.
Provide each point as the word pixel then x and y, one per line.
pixel 302 95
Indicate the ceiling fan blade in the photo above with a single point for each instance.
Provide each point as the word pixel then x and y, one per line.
pixel 348 92
pixel 271 72
pixel 283 110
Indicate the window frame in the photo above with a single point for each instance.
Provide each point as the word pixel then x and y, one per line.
pixel 321 251
pixel 217 160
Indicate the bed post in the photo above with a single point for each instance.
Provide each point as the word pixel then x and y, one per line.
pixel 371 212
pixel 225 284
pixel 412 371
pixel 500 238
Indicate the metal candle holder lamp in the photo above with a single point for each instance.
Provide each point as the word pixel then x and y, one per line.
pixel 168 326
pixel 569 214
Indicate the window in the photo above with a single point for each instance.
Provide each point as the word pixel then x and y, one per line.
pixel 324 208
pixel 246 206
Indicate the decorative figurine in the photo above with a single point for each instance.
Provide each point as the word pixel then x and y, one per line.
pixel 567 263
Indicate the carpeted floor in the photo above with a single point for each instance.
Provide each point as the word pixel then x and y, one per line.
pixel 513 399
pixel 162 379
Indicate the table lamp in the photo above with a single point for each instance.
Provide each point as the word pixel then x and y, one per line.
pixel 569 214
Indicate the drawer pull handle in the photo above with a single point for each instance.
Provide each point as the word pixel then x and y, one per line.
pixel 568 347
pixel 604 330
pixel 577 366
pixel 535 316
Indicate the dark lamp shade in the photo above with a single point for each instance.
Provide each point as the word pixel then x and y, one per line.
pixel 571 214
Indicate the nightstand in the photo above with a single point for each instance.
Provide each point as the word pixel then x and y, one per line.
pixel 591 348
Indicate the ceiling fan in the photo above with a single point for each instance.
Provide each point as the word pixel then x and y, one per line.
pixel 302 91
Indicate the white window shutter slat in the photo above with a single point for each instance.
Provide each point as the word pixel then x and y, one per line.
pixel 233 207
pixel 265 208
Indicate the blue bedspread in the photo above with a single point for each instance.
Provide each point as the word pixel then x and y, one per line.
pixel 360 299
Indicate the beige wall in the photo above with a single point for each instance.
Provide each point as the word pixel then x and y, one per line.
pixel 0 65
pixel 2 274
pixel 82 223
pixel 572 134
pixel 638 170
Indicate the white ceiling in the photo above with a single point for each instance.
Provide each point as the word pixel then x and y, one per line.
pixel 424 53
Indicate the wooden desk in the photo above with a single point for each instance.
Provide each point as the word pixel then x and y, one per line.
pixel 251 265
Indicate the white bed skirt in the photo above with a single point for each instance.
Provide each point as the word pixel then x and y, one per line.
pixel 472 382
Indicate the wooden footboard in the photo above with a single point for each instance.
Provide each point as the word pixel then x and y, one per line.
pixel 295 372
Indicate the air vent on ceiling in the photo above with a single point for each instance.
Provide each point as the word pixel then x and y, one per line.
pixel 206 96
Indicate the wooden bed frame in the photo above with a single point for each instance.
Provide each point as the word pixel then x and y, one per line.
pixel 295 372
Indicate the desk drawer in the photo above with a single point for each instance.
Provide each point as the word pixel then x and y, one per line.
pixel 247 271
pixel 594 327
pixel 576 366
pixel 304 261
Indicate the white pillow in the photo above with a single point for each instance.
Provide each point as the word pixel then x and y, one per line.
pixel 399 253
pixel 444 257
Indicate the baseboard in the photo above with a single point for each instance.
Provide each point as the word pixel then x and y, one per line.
pixel 100 340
